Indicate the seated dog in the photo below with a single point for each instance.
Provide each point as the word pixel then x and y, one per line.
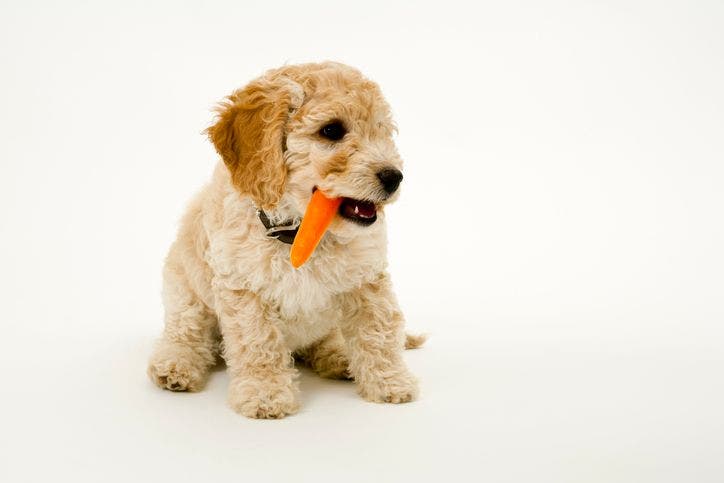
pixel 229 287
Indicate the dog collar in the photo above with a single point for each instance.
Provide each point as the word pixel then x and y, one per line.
pixel 284 233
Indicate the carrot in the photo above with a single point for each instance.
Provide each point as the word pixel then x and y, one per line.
pixel 319 214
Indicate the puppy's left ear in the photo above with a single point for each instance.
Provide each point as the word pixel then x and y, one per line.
pixel 249 135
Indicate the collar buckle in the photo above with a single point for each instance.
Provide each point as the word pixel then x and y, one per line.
pixel 284 233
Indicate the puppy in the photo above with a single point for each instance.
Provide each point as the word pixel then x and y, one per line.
pixel 229 287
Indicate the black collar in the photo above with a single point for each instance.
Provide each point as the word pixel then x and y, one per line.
pixel 284 233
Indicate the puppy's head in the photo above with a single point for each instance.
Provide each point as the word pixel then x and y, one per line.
pixel 311 126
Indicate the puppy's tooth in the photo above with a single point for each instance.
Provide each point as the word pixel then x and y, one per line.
pixel 356 210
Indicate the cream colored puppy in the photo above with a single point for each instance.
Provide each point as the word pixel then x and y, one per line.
pixel 229 287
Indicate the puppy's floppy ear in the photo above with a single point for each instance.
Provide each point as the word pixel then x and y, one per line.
pixel 249 136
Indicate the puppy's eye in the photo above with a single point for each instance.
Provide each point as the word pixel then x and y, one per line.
pixel 334 131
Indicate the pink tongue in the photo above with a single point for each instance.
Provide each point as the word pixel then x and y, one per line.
pixel 365 210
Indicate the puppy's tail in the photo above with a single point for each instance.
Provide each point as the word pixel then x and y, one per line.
pixel 413 341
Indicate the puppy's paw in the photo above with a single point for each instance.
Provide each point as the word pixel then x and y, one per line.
pixel 331 366
pixel 399 388
pixel 327 359
pixel 261 399
pixel 177 368
pixel 340 371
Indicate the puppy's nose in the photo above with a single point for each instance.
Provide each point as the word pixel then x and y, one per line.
pixel 390 179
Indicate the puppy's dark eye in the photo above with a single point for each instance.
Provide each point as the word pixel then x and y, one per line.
pixel 334 131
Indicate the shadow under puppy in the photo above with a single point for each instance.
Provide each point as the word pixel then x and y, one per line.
pixel 229 287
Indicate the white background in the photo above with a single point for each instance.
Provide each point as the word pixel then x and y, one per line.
pixel 559 235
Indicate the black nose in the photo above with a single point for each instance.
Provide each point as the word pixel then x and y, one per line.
pixel 390 179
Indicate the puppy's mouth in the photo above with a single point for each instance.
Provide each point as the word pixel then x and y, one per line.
pixel 358 211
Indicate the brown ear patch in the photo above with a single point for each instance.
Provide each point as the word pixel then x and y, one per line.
pixel 249 136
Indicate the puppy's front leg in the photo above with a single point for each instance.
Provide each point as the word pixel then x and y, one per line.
pixel 373 328
pixel 263 379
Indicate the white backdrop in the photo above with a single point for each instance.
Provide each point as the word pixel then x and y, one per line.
pixel 559 235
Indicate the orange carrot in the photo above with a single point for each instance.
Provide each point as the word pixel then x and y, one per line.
pixel 317 218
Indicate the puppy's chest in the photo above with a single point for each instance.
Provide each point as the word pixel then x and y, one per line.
pixel 310 289
pixel 304 300
pixel 263 267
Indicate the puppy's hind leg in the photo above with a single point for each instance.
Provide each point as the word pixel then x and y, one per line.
pixel 189 345
pixel 327 357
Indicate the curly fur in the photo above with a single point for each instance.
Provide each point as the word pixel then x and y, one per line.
pixel 229 290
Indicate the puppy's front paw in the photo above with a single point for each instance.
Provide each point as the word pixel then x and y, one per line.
pixel 399 388
pixel 261 399
pixel 177 368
